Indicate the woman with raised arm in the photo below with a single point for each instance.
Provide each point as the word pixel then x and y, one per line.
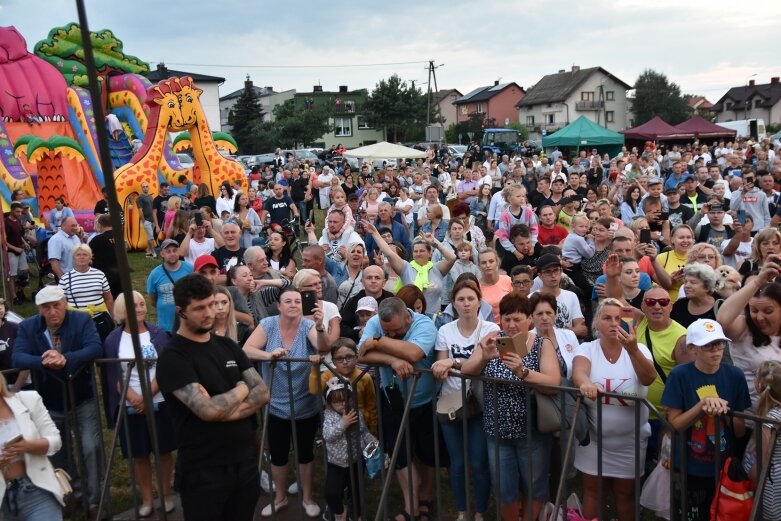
pixel 420 271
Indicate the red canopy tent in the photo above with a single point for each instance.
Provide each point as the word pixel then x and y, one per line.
pixel 703 128
pixel 656 129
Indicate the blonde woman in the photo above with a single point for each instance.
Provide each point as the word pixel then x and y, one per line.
pixel 87 289
pixel 224 314
pixel 119 345
pixel 173 205
pixel 766 242
pixel 28 486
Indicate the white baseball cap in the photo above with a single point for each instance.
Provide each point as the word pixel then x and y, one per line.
pixel 49 294
pixel 704 331
pixel 366 304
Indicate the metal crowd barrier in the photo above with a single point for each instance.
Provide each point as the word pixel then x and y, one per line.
pixel 678 482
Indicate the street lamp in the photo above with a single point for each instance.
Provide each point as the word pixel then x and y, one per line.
pixel 747 100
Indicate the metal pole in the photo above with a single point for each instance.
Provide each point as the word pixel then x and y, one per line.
pixel 119 240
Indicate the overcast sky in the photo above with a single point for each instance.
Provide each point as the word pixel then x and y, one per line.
pixel 705 47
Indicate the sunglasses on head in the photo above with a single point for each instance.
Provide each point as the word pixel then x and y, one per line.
pixel 651 302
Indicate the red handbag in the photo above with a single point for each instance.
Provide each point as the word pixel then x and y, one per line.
pixel 734 495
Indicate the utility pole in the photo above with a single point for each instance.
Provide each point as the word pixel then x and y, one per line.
pixel 432 74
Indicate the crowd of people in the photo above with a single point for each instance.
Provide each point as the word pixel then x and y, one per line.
pixel 650 274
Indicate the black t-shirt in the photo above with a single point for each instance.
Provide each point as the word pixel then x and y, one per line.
pixel 216 365
pixel 680 215
pixel 223 256
pixel 298 189
pixel 349 189
pixel 278 209
pixel 509 261
pixel 684 317
pixel 7 337
pixel 157 205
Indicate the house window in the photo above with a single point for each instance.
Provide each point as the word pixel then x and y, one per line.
pixel 550 118
pixel 550 105
pixel 363 123
pixel 479 109
pixel 727 105
pixel 529 121
pixel 343 127
pixel 586 96
pixel 610 116
pixel 464 110
pixel 610 95
pixel 757 103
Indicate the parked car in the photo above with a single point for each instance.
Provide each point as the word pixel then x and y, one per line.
pixel 305 155
pixel 457 151
pixel 530 148
pixel 261 160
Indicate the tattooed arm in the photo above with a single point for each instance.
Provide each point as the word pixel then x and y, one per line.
pixel 212 408
pixel 258 396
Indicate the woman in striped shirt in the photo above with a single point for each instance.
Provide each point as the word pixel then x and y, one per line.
pixel 87 289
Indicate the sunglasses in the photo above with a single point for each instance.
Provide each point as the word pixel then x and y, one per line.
pixel 651 302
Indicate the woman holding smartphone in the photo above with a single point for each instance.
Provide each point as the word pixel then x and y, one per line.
pixel 325 314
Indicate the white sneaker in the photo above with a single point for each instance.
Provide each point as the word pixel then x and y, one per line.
pixel 293 488
pixel 265 483
pixel 312 509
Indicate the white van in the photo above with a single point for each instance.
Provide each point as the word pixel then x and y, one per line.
pixel 746 128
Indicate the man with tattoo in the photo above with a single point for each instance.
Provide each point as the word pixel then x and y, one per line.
pixel 213 391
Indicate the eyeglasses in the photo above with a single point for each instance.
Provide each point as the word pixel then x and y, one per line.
pixel 651 302
pixel 706 257
pixel 521 282
pixel 346 359
pixel 718 345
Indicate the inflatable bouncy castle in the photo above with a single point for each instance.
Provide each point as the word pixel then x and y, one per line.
pixel 48 133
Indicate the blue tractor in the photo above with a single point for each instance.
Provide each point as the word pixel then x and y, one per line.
pixel 501 141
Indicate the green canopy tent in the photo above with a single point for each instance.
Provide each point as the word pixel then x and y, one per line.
pixel 583 133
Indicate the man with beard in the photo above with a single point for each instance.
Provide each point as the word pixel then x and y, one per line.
pixel 679 214
pixel 212 391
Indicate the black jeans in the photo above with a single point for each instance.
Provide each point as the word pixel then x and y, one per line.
pixel 224 492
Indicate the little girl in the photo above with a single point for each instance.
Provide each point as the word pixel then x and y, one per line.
pixel 339 204
pixel 768 383
pixel 567 212
pixel 577 246
pixel 515 213
pixel 344 445
pixel 344 356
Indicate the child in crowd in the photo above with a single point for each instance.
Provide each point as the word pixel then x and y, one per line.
pixel 266 190
pixel 344 356
pixel 515 213
pixel 568 211
pixel 366 309
pixel 339 204
pixel 345 435
pixel 768 384
pixel 464 264
pixel 578 245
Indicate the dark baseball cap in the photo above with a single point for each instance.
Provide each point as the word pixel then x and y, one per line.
pixel 352 197
pixel 548 260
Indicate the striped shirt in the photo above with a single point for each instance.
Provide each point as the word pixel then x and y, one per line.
pixel 84 289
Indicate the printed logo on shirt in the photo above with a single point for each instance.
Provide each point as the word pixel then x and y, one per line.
pixel 569 347
pixel 230 364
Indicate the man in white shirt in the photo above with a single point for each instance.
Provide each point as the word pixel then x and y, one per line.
pixel 196 242
pixel 333 240
pixel 431 197
pixel 568 314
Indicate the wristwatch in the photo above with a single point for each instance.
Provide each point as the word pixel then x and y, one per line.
pixel 320 329
pixel 376 338
pixel 525 373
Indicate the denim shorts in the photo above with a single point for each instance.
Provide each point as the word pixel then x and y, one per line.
pixel 515 456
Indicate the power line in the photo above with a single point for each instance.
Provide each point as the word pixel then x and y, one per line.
pixel 319 66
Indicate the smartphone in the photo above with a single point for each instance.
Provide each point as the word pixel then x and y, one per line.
pixel 645 236
pixel 613 227
pixel 198 219
pixel 742 217
pixel 504 345
pixel 664 216
pixel 308 301
pixel 14 439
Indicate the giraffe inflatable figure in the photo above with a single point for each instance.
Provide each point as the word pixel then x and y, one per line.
pixel 165 116
pixel 211 167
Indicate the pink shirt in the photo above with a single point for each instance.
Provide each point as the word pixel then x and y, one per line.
pixel 494 293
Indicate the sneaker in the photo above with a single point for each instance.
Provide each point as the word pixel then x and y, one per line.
pixel 169 505
pixel 293 488
pixel 265 483
pixel 266 512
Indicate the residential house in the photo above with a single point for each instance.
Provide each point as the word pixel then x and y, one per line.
pixel 558 99
pixel 210 85
pixel 444 100
pixel 268 100
pixel 751 101
pixel 351 129
pixel 495 101
pixel 699 105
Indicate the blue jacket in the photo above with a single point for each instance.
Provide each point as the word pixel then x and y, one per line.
pixel 112 373
pixel 400 235
pixel 80 345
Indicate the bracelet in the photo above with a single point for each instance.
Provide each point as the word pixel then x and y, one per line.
pixel 320 329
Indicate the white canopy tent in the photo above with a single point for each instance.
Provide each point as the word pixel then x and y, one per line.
pixel 385 150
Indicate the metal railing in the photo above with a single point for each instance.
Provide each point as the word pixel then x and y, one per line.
pixel 678 483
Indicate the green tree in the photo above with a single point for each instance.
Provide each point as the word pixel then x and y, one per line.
pixel 64 49
pixel 245 115
pixel 399 109
pixel 523 132
pixel 298 125
pixel 655 95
